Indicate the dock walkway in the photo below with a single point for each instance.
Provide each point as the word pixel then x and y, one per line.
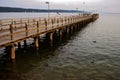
pixel 14 31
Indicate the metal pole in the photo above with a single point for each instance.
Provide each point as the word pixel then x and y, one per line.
pixel 48 3
pixel 49 11
pixel 78 11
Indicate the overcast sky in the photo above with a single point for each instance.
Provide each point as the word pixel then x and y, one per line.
pixel 100 5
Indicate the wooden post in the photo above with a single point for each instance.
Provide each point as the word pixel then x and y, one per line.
pixel 20 22
pixel 28 22
pixel 1 22
pixel 12 21
pixel 33 21
pixel 12 52
pixel 15 25
pixel 74 27
pixel 62 21
pixel 73 19
pixel 11 31
pixel 68 30
pixel 58 22
pixel 19 45
pixel 36 42
pixel 65 20
pixel 51 39
pixel 25 44
pixel 37 27
pixel 69 20
pixel 60 34
pixel 46 24
pixel 26 28
pixel 39 20
pixel 52 23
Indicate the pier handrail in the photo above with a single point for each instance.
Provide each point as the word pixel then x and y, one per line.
pixel 15 29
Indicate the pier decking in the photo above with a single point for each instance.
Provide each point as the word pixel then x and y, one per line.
pixel 13 31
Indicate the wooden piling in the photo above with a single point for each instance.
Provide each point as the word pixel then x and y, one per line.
pixel 60 34
pixel 25 44
pixel 19 45
pixel 51 39
pixel 12 51
pixel 36 42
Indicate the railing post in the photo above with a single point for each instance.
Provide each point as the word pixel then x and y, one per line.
pixel 15 25
pixel 28 22
pixel 62 21
pixel 26 28
pixel 68 21
pixel 52 23
pixel 65 20
pixel 33 21
pixel 57 21
pixel 45 24
pixel 71 19
pixel 75 19
pixel 1 22
pixel 12 21
pixel 39 21
pixel 37 27
pixel 21 22
pixel 11 31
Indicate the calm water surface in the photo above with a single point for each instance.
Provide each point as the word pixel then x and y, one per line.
pixel 93 53
pixel 12 15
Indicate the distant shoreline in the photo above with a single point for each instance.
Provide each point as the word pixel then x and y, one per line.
pixel 13 9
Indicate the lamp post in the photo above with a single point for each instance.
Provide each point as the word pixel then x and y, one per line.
pixel 48 3
pixel 84 8
pixel 77 10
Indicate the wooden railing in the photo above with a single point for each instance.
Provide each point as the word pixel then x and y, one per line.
pixel 13 29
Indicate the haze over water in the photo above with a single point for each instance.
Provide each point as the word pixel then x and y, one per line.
pixel 93 53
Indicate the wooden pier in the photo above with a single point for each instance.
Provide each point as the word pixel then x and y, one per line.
pixel 13 31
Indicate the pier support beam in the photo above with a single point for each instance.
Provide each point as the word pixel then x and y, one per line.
pixel 25 44
pixel 60 34
pixel 19 45
pixel 73 29
pixel 70 28
pixel 36 42
pixel 12 52
pixel 51 39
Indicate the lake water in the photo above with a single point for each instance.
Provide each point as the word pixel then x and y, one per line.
pixel 31 15
pixel 93 53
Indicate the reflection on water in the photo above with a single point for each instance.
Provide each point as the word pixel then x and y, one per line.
pixel 90 54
